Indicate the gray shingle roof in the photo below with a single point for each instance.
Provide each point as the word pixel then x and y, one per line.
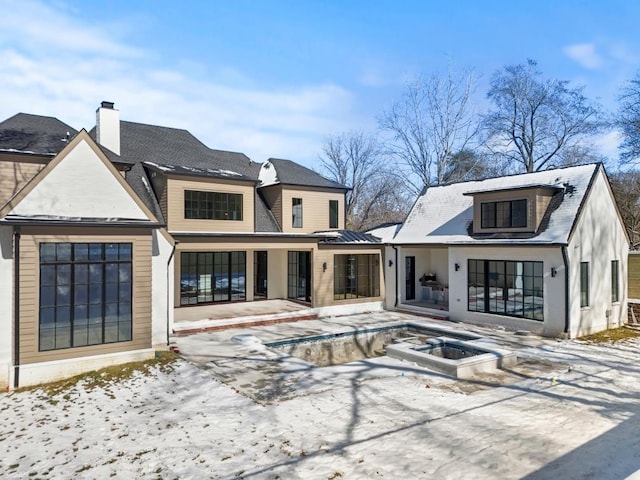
pixel 34 134
pixel 292 173
pixel 265 220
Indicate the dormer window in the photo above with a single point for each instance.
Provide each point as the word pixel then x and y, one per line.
pixel 509 214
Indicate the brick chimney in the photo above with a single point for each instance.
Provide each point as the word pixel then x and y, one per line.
pixel 108 127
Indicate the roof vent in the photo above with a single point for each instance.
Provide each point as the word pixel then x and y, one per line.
pixel 108 105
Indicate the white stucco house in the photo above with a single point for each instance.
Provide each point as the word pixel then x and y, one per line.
pixel 544 252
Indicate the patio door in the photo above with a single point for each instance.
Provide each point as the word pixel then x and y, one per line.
pixel 410 278
pixel 299 276
pixel 260 269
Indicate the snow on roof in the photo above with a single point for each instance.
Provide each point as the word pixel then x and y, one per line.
pixel 385 232
pixel 442 215
pixel 185 170
pixel 268 174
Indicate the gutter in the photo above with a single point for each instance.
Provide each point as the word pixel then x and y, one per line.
pixel 173 251
pixel 16 307
pixel 565 259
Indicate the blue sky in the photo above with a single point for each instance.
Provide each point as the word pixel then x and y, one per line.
pixel 275 78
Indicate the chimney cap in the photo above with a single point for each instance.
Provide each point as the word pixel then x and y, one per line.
pixel 106 104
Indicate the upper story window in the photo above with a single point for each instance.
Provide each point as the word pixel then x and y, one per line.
pixel 212 205
pixel 509 214
pixel 333 213
pixel 296 209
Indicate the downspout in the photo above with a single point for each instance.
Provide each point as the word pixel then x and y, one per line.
pixel 397 282
pixel 16 307
pixel 565 259
pixel 173 251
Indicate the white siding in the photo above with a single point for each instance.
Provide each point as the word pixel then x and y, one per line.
pixel 162 285
pixel 553 287
pixel 598 239
pixel 81 185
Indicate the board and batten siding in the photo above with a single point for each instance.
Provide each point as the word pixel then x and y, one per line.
pixel 14 175
pixel 29 290
pixel 175 205
pixel 315 209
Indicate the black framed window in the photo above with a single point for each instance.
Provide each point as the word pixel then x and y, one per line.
pixel 296 210
pixel 356 276
pixel 299 276
pixel 509 214
pixel 584 284
pixel 85 294
pixel 506 287
pixel 615 280
pixel 333 213
pixel 209 277
pixel 212 205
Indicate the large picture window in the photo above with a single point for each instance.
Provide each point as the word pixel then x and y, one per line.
pixel 356 276
pixel 506 287
pixel 85 294
pixel 212 205
pixel 208 277
pixel 510 214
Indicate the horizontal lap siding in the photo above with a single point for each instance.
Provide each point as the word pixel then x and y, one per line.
pixel 315 209
pixel 14 175
pixel 175 206
pixel 29 288
pixel 634 275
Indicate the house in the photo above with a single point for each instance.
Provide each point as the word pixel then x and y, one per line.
pixel 107 235
pixel 544 252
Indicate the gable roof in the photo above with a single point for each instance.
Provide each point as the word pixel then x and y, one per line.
pixel 288 172
pixel 34 134
pixel 444 214
pixel 82 160
pixel 386 231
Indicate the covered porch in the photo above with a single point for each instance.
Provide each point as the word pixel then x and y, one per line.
pixel 423 279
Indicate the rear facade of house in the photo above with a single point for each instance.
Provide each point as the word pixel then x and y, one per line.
pixel 107 235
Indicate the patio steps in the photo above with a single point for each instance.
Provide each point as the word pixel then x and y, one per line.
pixel 209 325
pixel 422 312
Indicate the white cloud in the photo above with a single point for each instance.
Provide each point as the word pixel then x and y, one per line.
pixel 585 54
pixel 67 70
pixel 608 144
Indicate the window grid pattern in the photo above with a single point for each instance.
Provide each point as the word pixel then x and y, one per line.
pixel 615 281
pixel 296 210
pixel 506 287
pixel 333 213
pixel 209 277
pixel 509 214
pixel 85 294
pixel 356 276
pixel 584 284
pixel 299 276
pixel 212 205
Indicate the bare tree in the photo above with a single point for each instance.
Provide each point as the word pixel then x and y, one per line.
pixel 354 159
pixel 432 121
pixel 538 123
pixel 628 120
pixel 626 190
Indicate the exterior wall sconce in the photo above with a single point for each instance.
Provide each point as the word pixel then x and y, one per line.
pixel 324 267
pixel 391 263
pixel 457 266
pixel 554 272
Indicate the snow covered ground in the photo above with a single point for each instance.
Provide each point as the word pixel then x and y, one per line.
pixel 570 410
